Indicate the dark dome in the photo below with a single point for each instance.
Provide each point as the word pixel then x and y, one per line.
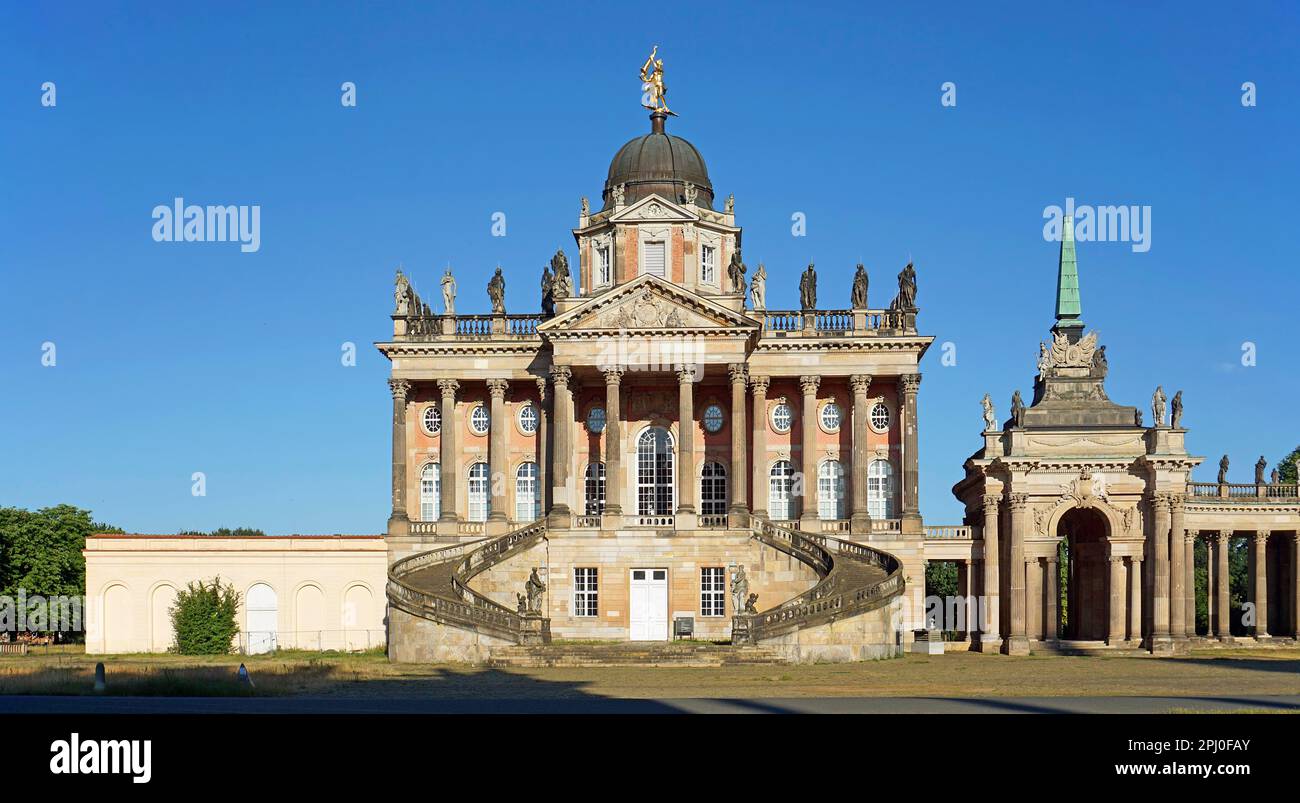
pixel 658 163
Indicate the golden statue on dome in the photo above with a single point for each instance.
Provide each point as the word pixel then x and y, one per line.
pixel 652 84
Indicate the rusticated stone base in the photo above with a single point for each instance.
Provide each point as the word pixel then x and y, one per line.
pixel 866 637
pixel 412 639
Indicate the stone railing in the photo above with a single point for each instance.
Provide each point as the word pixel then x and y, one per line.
pixel 835 525
pixel 844 588
pixel 886 525
pixel 468 327
pixel 713 521
pixel 950 533
pixel 653 521
pixel 586 522
pixel 1240 491
pixel 457 604
pixel 837 321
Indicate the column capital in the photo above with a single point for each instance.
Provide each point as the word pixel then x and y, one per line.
pixel 1223 536
pixel 1162 502
pixel 990 501
pixel 1262 535
pixel 541 389
pixel 685 376
pixel 759 384
pixel 448 387
pixel 560 375
pixel 738 373
pixel 498 387
pixel 860 383
pixel 1115 558
pixel 613 376
pixel 1018 501
pixel 809 384
pixel 909 383
pixel 1052 560
pixel 401 388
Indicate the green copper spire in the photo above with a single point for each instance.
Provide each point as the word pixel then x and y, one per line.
pixel 1068 307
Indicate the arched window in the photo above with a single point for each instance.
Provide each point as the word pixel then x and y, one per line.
pixel 528 418
pixel 430 493
pixel 654 473
pixel 779 505
pixel 713 489
pixel 261 609
pixel 880 489
pixel 594 489
pixel 528 500
pixel 478 492
pixel 830 490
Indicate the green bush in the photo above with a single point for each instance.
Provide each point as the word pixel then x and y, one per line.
pixel 204 618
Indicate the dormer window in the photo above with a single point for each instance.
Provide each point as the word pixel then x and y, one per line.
pixel 708 265
pixel 654 259
pixel 604 267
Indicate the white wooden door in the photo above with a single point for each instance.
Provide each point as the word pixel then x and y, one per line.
pixel 649 605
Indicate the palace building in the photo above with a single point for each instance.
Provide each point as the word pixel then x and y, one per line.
pixel 650 452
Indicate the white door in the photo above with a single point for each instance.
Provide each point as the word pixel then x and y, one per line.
pixel 649 609
pixel 263 619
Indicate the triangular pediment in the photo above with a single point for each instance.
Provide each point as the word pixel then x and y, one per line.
pixel 648 303
pixel 656 208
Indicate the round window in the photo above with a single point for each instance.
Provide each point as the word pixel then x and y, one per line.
pixel 713 418
pixel 528 419
pixel 879 417
pixel 830 417
pixel 781 417
pixel 479 420
pixel 432 419
pixel 596 420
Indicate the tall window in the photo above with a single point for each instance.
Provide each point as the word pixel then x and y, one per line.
pixel 654 473
pixel 584 592
pixel 430 493
pixel 594 485
pixel 604 267
pixel 713 591
pixel 654 259
pixel 880 489
pixel 478 492
pixel 830 490
pixel 713 489
pixel 528 499
pixel 778 497
pixel 708 265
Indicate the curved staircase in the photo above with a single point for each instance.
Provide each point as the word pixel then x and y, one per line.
pixel 830 621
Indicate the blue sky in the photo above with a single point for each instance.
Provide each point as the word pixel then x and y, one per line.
pixel 176 358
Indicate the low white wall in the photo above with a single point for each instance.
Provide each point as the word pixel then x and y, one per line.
pixel 328 590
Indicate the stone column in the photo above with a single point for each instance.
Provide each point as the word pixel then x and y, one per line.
pixel 1135 599
pixel 758 386
pixel 1118 590
pixel 1295 585
pixel 447 452
pixel 808 452
pixel 397 522
pixel 613 443
pixel 1053 599
pixel 908 384
pixel 1222 615
pixel 1189 581
pixel 1260 585
pixel 1018 641
pixel 497 464
pixel 1177 570
pixel 543 458
pixel 739 455
pixel 1160 568
pixel 561 445
pixel 860 520
pixel 1034 598
pixel 686 442
pixel 990 631
pixel 964 595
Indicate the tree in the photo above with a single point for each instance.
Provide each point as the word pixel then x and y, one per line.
pixel 1286 466
pixel 40 552
pixel 941 579
pixel 225 532
pixel 204 618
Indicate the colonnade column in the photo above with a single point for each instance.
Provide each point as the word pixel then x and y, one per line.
pixel 1260 587
pixel 1034 598
pixel 758 387
pixel 964 594
pixel 613 444
pixel 860 518
pixel 543 459
pixel 739 455
pixel 401 389
pixel 1189 566
pixel 1177 570
pixel 808 451
pixel 1118 590
pixel 562 445
pixel 1160 568
pixel 908 384
pixel 447 451
pixel 1053 598
pixel 1017 641
pixel 497 449
pixel 1135 598
pixel 1222 617
pixel 686 441
pixel 1295 585
pixel 990 625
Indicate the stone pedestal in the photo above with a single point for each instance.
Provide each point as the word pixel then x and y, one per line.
pixel 928 642
pixel 535 629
